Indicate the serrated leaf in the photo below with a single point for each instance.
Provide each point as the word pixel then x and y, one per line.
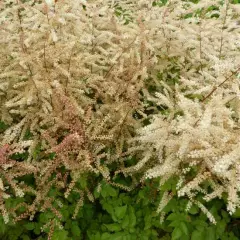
pixel 96 193
pixel 83 182
pixel 65 213
pixel 193 210
pixel 141 194
pixel 236 214
pixel 97 236
pixel 224 214
pixel 166 237
pixel 132 217
pixel 60 235
pixel 3 225
pixel 171 206
pixel 120 211
pixel 210 233
pixel 111 191
pixel 131 230
pixel 142 237
pixel 76 231
pixel 37 229
pixel 184 228
pixel 154 233
pixel 120 236
pixel 25 237
pixel 44 217
pixel 176 234
pixel 172 216
pixel 174 223
pixel 221 226
pixel 200 223
pixel 29 226
pixel 148 221
pixel 108 207
pixel 197 235
pixel 104 191
pixel 106 236
pixel 125 221
pixel 114 227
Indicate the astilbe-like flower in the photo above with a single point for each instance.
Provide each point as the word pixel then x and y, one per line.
pixel 196 125
pixel 10 186
pixel 92 54
pixel 71 73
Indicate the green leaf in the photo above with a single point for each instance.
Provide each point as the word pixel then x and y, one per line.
pixel 225 214
pixel 177 216
pixel 60 235
pixel 125 221
pixel 120 211
pixel 236 214
pixel 114 227
pixel 29 226
pixel 154 233
pixel 193 210
pixel 121 236
pixel 147 220
pixel 172 205
pixel 3 126
pixel 184 228
pixel 108 190
pixel 108 207
pixel 96 236
pixel 106 236
pixel 104 193
pixel 65 212
pixel 3 225
pixel 210 233
pixel 132 230
pixel 96 193
pixel 197 235
pixel 44 217
pixel 37 230
pixel 221 226
pixel 83 182
pixel 141 194
pixel 200 224
pixel 132 217
pixel 174 223
pixel 143 237
pixel 25 237
pixel 111 191
pixel 76 231
pixel 173 216
pixel 176 234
